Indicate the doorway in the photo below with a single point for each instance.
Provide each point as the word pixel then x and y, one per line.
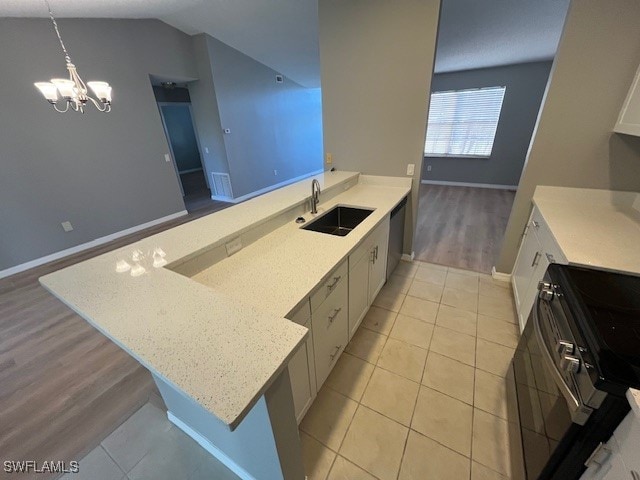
pixel 177 120
pixel 486 92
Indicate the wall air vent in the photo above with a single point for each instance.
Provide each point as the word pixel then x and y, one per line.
pixel 221 186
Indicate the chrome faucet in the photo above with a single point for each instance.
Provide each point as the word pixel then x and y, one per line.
pixel 315 195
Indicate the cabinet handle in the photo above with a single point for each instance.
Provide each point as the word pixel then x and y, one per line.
pixel 599 456
pixel 335 314
pixel 333 355
pixel 535 259
pixel 372 254
pixel 535 224
pixel 335 282
pixel 376 252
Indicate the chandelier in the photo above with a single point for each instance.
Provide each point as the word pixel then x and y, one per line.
pixel 73 91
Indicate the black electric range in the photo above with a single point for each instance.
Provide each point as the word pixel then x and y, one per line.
pixel 578 355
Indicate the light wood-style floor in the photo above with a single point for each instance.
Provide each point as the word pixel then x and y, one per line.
pixel 63 386
pixel 461 227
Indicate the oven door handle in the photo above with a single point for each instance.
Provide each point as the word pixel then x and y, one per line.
pixel 579 411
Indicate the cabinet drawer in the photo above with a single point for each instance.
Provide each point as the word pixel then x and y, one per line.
pixel 330 331
pixel 334 281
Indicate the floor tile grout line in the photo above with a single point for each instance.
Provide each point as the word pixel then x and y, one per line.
pixel 420 383
pixel 111 457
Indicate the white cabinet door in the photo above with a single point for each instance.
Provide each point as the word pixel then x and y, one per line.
pixel 300 375
pixel 529 257
pixel 629 119
pixel 358 292
pixel 378 265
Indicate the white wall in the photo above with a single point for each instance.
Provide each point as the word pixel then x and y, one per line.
pixel 376 60
pixel 573 144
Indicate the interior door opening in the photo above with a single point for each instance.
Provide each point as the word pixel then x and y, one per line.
pixel 486 94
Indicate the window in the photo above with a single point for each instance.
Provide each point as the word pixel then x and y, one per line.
pixel 462 123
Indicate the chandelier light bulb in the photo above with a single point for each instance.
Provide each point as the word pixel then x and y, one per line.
pixel 49 91
pixel 65 87
pixel 102 90
pixel 73 90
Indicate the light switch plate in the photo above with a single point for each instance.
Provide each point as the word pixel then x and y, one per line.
pixel 167 158
pixel 66 226
pixel 410 168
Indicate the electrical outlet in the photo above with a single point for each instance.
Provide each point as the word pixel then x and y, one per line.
pixel 167 158
pixel 227 130
pixel 428 168
pixel 275 173
pixel 329 158
pixel 66 226
pixel 410 168
pixel 206 149
pixel 234 246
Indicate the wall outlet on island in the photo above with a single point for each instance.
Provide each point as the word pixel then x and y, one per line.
pixel 428 168
pixel 410 168
pixel 234 246
pixel 275 172
pixel 66 226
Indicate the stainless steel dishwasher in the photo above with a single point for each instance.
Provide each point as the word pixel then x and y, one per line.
pixel 396 236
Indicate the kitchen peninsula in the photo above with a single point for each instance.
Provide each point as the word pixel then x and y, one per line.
pixel 203 306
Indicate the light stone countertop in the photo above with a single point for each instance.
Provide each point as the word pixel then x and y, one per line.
pixel 593 228
pixel 297 260
pixel 197 337
pixel 633 396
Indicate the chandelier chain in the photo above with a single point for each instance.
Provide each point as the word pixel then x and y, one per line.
pixel 55 27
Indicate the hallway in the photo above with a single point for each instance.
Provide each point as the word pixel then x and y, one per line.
pixel 461 227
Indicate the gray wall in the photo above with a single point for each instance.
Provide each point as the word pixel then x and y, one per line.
pixel 573 144
pixel 376 60
pixel 103 172
pixel 205 111
pixel 274 126
pixel 525 84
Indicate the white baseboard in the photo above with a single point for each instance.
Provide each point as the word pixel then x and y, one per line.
pixel 267 189
pixel 501 277
pixel 210 447
pixel 223 198
pixel 465 184
pixel 408 258
pixel 84 246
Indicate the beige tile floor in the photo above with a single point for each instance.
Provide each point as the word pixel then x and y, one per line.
pixel 148 446
pixel 420 392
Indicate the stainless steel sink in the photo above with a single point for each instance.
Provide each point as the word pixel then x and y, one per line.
pixel 339 220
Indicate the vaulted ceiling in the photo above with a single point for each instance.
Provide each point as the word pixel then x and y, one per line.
pixel 283 34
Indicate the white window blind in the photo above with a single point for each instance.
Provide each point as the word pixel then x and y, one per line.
pixel 462 123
